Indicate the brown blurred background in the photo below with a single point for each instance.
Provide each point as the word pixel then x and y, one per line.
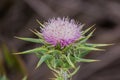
pixel 18 16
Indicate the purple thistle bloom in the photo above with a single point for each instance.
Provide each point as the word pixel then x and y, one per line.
pixel 62 31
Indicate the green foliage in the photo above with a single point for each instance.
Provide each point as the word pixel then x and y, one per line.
pixel 63 60
pixel 43 59
pixel 13 63
pixel 24 78
pixel 3 78
pixel 31 40
pixel 35 50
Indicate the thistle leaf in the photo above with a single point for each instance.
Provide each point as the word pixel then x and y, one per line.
pixel 86 60
pixel 36 33
pixel 84 53
pixel 49 65
pixel 54 51
pixel 98 45
pixel 35 50
pixel 69 60
pixel 89 48
pixel 40 23
pixel 31 40
pixel 87 37
pixel 67 48
pixel 43 58
pixel 84 32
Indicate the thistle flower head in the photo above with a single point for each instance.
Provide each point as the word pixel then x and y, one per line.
pixel 61 30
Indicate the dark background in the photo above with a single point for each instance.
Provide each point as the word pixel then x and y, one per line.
pixel 18 16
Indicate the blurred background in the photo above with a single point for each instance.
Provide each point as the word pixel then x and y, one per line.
pixel 18 16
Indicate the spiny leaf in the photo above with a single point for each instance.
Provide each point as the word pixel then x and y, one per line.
pixel 89 48
pixel 40 23
pixel 35 50
pixel 80 39
pixel 53 62
pixel 53 51
pixel 43 58
pixel 67 48
pixel 31 40
pixel 86 60
pixel 98 45
pixel 87 37
pixel 36 33
pixel 84 32
pixel 69 60
pixel 39 55
pixel 50 46
pixel 49 65
pixel 58 62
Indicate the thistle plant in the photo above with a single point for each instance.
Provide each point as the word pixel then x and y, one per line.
pixel 64 44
